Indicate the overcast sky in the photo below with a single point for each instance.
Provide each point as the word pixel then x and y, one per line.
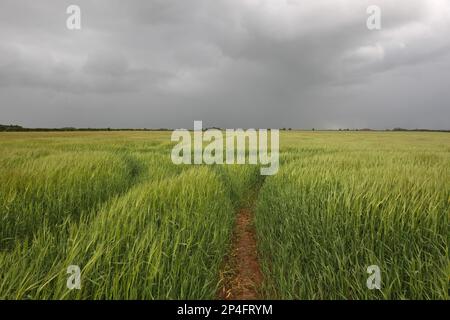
pixel 230 63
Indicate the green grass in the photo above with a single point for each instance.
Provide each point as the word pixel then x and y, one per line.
pixel 141 227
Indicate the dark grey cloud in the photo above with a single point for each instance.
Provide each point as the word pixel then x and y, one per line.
pixel 230 63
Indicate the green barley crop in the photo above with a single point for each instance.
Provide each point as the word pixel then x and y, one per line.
pixel 141 227
pixel 332 211
pixel 49 189
pixel 160 240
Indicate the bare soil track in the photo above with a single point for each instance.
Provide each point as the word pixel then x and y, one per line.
pixel 241 275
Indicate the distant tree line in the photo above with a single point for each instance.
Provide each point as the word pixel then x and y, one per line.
pixel 17 128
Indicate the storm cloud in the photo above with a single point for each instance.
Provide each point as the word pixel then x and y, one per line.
pixel 229 63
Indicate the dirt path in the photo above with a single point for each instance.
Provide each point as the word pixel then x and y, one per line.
pixel 241 276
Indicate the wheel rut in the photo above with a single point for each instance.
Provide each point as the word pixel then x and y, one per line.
pixel 241 276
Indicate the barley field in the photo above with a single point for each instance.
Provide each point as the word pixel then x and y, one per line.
pixel 141 227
